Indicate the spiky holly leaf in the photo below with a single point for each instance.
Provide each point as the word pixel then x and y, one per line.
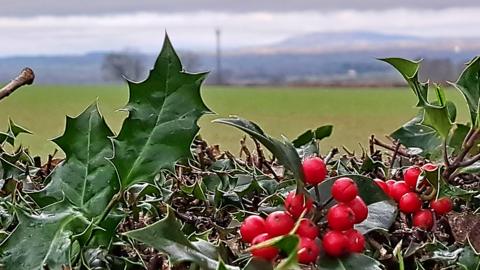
pixel 166 235
pixel 436 115
pixel 86 178
pixel 312 135
pixel 469 85
pixel 10 166
pixel 42 241
pixel 13 131
pixel 162 121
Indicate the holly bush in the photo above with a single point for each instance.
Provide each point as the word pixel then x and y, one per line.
pixel 158 196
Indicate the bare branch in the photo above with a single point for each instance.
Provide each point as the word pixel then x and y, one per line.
pixel 25 77
pixel 391 148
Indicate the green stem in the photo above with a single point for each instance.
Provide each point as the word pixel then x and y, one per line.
pixel 115 199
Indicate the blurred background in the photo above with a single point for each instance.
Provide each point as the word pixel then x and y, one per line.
pixel 288 65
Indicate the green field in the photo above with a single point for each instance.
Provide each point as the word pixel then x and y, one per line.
pixel 355 113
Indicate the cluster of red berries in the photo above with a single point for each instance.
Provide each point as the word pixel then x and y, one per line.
pixel 340 240
pixel 409 201
pixel 256 230
pixel 349 210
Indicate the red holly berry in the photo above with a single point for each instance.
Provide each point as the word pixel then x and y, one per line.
pixel 344 189
pixel 266 253
pixel 251 227
pixel 340 217
pixel 442 205
pixel 335 243
pixel 307 229
pixel 314 170
pixel 410 202
pixel 308 251
pixel 410 176
pixel 279 223
pixel 423 219
pixel 382 185
pixel 356 241
pixel 398 190
pixel 390 184
pixel 295 204
pixel 359 208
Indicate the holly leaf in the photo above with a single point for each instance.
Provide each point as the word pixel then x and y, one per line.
pixel 436 115
pixel 469 85
pixel 283 150
pixel 381 216
pixel 351 262
pixel 9 166
pixel 86 178
pixel 310 135
pixel 13 131
pixel 468 260
pixel 414 134
pixel 165 235
pixel 162 121
pixel 42 241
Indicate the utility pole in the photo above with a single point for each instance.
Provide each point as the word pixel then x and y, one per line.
pixel 219 57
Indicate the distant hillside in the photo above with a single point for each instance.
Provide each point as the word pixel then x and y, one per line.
pixel 316 58
pixel 342 39
pixel 366 41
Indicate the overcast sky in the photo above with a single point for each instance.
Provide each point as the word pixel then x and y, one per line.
pixel 64 7
pixel 31 27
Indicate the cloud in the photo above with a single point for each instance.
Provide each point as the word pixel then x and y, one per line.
pixel 79 34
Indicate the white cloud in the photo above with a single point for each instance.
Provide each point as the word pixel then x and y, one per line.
pixel 195 30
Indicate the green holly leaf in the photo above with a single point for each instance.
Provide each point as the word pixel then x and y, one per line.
pixel 13 131
pixel 310 135
pixel 469 85
pixel 350 262
pixel 86 178
pixel 162 121
pixel 436 115
pixel 468 260
pixel 165 235
pixel 414 134
pixel 42 241
pixel 381 216
pixel 284 151
pixel 197 190
pixel 288 244
pixel 10 167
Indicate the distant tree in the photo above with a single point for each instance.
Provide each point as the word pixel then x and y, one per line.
pixel 129 64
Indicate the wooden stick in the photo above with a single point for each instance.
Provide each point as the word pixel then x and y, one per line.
pixel 25 77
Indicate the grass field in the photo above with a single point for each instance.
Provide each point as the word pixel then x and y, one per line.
pixel 355 113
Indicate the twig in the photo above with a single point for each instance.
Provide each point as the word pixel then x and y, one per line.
pixel 260 155
pixel 395 152
pixel 330 155
pixel 244 149
pixel 391 148
pixel 470 161
pixel 371 144
pixel 459 161
pixel 25 77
